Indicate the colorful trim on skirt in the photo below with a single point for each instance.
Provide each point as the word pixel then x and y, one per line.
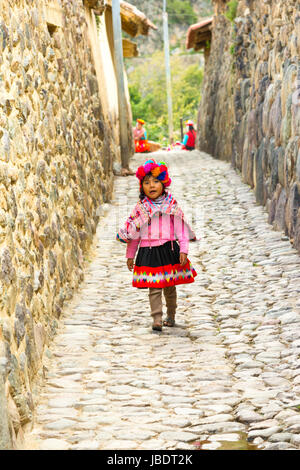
pixel 141 146
pixel 159 267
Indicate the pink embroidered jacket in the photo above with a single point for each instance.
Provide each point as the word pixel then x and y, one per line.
pixel 163 228
pixel 150 224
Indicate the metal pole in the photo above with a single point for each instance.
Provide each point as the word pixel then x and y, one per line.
pixel 119 66
pixel 168 69
pixel 181 129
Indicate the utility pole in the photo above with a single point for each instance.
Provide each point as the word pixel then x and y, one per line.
pixel 119 66
pixel 181 129
pixel 168 69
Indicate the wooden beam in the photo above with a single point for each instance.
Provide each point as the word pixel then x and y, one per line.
pixel 200 45
pixel 133 21
pixel 130 25
pixel 204 28
pixel 129 48
pixel 202 37
pixel 93 3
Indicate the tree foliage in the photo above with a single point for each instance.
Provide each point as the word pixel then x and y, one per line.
pixel 181 12
pixel 147 88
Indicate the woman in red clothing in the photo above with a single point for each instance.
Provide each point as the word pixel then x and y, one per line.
pixel 190 137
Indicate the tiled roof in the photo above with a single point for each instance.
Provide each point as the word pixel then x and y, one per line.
pixel 198 34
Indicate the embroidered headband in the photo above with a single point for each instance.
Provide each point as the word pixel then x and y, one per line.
pixel 158 170
pixel 189 123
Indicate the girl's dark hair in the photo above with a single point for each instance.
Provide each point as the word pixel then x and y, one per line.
pixel 191 128
pixel 142 194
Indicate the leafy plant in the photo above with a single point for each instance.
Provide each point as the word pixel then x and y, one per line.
pixel 231 9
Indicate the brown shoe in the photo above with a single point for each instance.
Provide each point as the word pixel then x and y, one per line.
pixel 157 323
pixel 127 172
pixel 169 321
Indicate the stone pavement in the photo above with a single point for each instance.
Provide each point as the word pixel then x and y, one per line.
pixel 226 377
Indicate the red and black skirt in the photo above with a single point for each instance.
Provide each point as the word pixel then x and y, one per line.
pixel 159 266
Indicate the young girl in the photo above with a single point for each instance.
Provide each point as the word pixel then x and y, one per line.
pixel 140 137
pixel 154 225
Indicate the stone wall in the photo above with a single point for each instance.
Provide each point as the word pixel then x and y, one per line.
pixel 250 113
pixel 55 172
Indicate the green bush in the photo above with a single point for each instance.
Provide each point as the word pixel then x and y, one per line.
pixel 231 10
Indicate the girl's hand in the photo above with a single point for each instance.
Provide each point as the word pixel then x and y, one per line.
pixel 130 264
pixel 182 259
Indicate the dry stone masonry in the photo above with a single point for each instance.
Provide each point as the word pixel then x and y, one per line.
pixel 55 172
pixel 250 111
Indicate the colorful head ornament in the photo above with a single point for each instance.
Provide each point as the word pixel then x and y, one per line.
pixel 141 121
pixel 189 123
pixel 158 170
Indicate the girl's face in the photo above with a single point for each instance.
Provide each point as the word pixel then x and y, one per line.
pixel 139 125
pixel 152 187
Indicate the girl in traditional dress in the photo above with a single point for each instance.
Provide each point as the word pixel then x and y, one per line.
pixel 154 226
pixel 140 137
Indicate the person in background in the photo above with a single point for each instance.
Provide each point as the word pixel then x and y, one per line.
pixel 141 142
pixel 140 137
pixel 190 137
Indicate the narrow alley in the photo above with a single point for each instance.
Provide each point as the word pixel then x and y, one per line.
pixel 226 377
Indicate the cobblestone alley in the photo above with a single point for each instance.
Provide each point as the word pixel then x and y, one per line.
pixel 227 376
